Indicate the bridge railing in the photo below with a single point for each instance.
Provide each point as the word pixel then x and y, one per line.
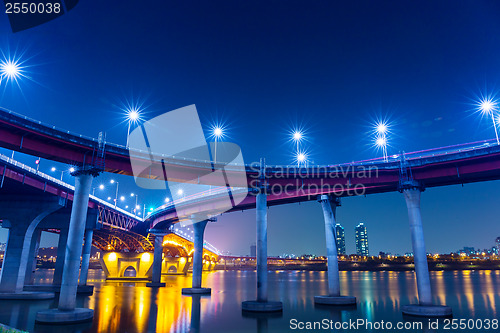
pixel 67 186
pixel 184 161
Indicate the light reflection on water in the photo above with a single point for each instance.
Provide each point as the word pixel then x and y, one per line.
pixel 133 307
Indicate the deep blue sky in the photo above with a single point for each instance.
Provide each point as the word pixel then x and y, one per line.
pixel 265 67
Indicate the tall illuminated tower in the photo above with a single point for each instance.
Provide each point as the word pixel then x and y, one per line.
pixel 361 240
pixel 340 239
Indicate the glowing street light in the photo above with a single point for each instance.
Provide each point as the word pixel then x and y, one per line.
pixel 488 106
pixel 137 207
pixel 112 181
pixel 301 158
pixel 101 187
pixel 381 142
pixel 70 170
pixel 297 136
pixel 133 116
pixel 217 133
pixel 11 69
pixel 381 130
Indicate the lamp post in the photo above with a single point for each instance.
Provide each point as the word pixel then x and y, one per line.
pixel 112 181
pixel 297 137
pixel 381 140
pixel 53 169
pixel 301 158
pixel 136 200
pixel 487 107
pixel 101 187
pixel 217 134
pixel 132 116
pixel 11 69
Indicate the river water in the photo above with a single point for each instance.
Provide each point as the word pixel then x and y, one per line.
pixel 133 307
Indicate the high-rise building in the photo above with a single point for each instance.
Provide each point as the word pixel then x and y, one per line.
pixel 340 239
pixel 497 244
pixel 253 250
pixel 361 240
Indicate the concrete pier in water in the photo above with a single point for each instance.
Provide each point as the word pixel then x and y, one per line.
pixel 67 312
pixel 334 297
pixel 424 308
pixel 199 230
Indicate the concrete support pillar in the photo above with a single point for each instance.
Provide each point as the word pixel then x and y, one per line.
pixel 261 217
pixel 425 306
pixel 32 257
pixel 199 230
pixel 67 311
pixel 61 253
pixel 412 197
pixel 331 245
pixel 67 298
pixel 329 207
pixel 21 215
pixel 87 247
pixel 157 262
pixel 261 304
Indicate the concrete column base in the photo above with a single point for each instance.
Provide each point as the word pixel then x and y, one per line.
pixel 335 300
pixel 27 295
pixel 155 284
pixel 427 310
pixel 56 316
pixel 82 290
pixel 196 291
pixel 256 306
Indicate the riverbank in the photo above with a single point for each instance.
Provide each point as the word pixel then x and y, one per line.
pixel 375 266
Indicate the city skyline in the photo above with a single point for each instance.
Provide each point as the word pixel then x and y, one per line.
pixel 331 90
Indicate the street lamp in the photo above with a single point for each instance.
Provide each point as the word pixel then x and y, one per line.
pixel 11 70
pixel 488 106
pixel 136 199
pixel 112 181
pixel 70 170
pixel 133 115
pixel 101 187
pixel 301 158
pixel 217 134
pixel 381 138
pixel 381 142
pixel 297 137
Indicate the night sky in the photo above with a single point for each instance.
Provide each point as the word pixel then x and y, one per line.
pixel 264 68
